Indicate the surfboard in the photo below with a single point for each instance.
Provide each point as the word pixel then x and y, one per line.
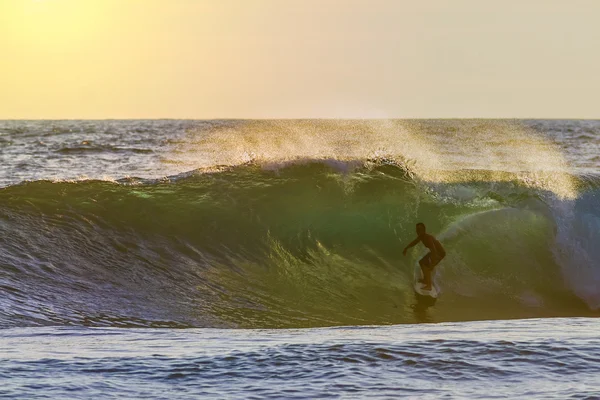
pixel 418 286
pixel 433 293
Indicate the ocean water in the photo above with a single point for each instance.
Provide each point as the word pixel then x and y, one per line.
pixel 240 259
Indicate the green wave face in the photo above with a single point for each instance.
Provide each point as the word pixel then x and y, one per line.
pixel 305 245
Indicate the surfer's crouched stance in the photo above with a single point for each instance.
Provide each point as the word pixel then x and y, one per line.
pixel 431 259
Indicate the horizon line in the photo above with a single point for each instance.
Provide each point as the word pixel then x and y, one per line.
pixel 309 119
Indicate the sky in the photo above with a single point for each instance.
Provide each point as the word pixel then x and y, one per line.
pixel 299 59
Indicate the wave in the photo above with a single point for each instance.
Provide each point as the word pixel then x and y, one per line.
pixel 305 244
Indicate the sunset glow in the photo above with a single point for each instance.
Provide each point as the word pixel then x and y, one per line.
pixel 271 59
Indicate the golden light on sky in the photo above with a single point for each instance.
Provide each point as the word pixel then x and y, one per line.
pixel 292 58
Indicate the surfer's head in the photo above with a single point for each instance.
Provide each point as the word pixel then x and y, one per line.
pixel 421 229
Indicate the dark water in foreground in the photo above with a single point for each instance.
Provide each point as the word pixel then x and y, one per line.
pixel 532 359
pixel 169 259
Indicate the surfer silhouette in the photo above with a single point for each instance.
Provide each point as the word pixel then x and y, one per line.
pixel 431 259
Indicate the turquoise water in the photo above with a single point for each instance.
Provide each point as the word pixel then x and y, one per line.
pixel 239 259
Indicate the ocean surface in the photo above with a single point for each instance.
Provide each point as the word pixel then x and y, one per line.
pixel 263 259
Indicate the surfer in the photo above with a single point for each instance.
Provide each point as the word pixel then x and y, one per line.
pixel 431 259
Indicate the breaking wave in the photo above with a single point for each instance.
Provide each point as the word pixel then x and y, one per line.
pixel 302 244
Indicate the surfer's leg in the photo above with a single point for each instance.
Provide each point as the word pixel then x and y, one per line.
pixel 423 268
pixel 427 278
pixel 422 264
pixel 433 262
pixel 425 264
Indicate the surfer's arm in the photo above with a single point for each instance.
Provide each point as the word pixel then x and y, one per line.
pixel 411 244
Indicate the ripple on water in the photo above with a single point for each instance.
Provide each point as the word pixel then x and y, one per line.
pixel 473 360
